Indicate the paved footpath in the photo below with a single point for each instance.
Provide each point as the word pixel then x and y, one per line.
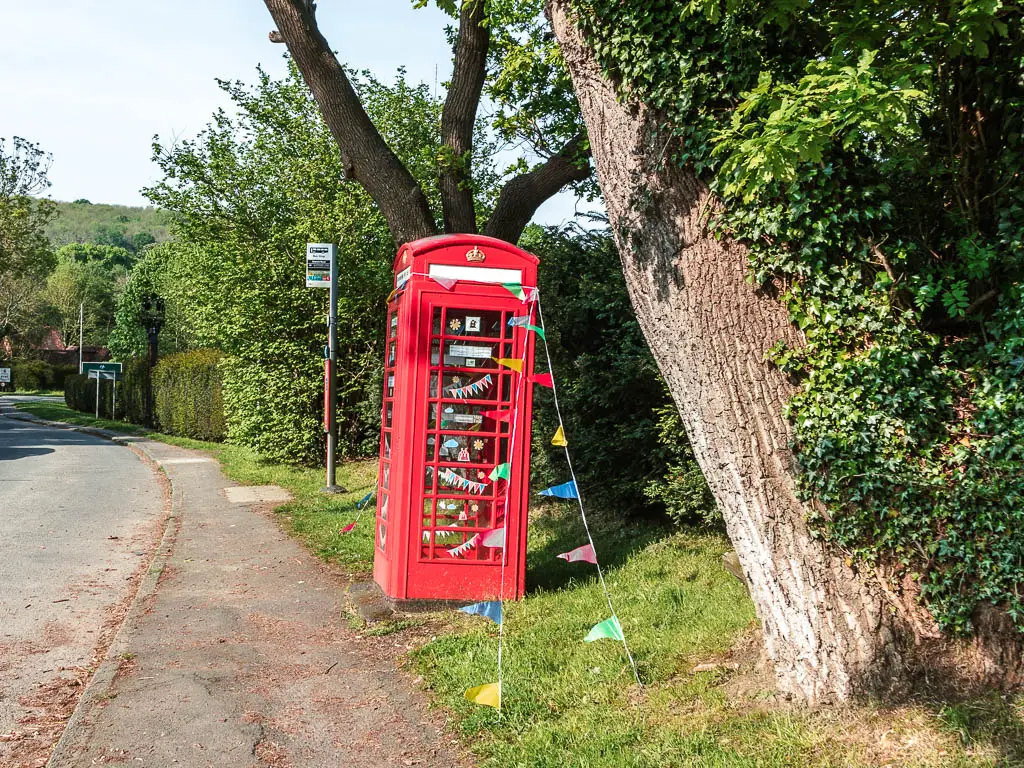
pixel 236 653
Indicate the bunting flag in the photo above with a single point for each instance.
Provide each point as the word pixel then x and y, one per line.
pixel 519 321
pixel 563 491
pixel 488 695
pixel 349 527
pixel 536 329
pixel 475 388
pixel 489 610
pixel 494 538
pixel 510 362
pixel 450 478
pixel 516 289
pixel 544 379
pixel 532 296
pixel 497 415
pixel 609 629
pixel 445 282
pixel 440 533
pixel 391 295
pixel 559 438
pixel 501 472
pixel 463 548
pixel 365 500
pixel 584 554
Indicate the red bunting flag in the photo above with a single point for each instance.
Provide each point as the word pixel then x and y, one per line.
pixel 497 415
pixel 349 527
pixel 544 379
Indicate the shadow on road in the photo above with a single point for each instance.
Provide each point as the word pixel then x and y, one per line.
pixel 19 440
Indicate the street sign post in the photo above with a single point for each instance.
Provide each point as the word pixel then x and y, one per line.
pixel 322 272
pixel 109 371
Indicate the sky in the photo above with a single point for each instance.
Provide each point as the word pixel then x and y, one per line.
pixel 92 81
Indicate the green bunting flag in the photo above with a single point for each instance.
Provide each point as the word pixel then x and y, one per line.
pixel 609 629
pixel 502 472
pixel 516 289
pixel 536 329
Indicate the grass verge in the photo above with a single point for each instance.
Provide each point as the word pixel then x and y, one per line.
pixel 690 625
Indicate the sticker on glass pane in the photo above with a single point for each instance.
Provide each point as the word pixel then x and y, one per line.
pixel 473 324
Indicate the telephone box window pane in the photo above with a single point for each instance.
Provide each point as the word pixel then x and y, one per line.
pixel 438 320
pixel 466 448
pixel 469 386
pixel 388 414
pixel 382 537
pixel 428 479
pixel 384 506
pixel 435 383
pixel 468 354
pixel 386 479
pixel 392 347
pixel 463 416
pixel 393 325
pixel 431 448
pixel 435 352
pixel 473 322
pixel 391 385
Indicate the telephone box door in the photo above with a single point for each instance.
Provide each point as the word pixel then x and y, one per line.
pixel 464 432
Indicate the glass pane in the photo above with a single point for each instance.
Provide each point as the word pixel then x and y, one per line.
pixel 466 417
pixel 384 506
pixel 382 537
pixel 463 386
pixel 473 322
pixel 388 413
pixel 390 385
pixel 393 325
pixel 431 453
pixel 469 354
pixel 463 480
pixel 392 347
pixel 467 448
pixel 436 326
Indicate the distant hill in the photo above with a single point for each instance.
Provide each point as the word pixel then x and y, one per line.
pixel 120 225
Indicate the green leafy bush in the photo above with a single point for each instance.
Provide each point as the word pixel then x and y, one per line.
pixel 187 395
pixel 610 391
pixel 30 375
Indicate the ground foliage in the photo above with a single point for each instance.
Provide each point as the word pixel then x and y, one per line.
pixel 869 155
pixel 248 194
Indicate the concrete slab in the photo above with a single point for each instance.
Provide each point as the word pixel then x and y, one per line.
pixel 254 494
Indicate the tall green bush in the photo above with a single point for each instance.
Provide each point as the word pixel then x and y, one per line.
pixel 187 395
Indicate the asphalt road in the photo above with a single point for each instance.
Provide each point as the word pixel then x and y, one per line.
pixel 78 517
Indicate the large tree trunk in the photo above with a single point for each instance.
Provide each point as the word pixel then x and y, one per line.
pixel 830 632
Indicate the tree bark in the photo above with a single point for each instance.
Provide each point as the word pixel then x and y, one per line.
pixel 459 117
pixel 830 631
pixel 365 155
pixel 522 196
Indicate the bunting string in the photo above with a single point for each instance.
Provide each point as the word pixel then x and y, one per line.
pixel 455 480
pixel 610 628
pixel 470 390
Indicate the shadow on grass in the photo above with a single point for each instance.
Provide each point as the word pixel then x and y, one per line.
pixel 989 723
pixel 556 528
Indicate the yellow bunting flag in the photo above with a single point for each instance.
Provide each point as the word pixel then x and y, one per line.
pixel 559 438
pixel 488 695
pixel 509 362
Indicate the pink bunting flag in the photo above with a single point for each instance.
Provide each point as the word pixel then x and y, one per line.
pixel 445 282
pixel 584 554
pixel 544 379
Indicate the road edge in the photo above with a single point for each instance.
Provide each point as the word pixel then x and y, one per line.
pixel 100 681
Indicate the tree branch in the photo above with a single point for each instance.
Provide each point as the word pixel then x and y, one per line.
pixel 365 155
pixel 459 117
pixel 524 194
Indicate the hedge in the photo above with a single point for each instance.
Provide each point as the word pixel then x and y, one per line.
pixel 187 399
pixel 187 394
pixel 35 375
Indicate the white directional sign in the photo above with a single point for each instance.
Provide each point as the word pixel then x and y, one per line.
pixel 320 264
pixel 5 375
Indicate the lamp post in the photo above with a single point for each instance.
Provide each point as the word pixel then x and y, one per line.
pixel 152 321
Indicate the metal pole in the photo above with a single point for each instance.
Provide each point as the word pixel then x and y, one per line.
pixel 97 395
pixel 113 400
pixel 332 383
pixel 81 333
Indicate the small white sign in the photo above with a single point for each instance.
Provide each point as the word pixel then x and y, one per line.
pixel 5 375
pixel 403 277
pixel 473 324
pixel 466 418
pixel 320 259
pixel 461 350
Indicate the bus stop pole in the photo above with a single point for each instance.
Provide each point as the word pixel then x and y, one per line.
pixel 330 421
pixel 97 395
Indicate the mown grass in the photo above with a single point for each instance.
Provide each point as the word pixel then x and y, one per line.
pixel 571 704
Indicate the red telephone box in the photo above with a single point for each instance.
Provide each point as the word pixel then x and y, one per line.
pixel 452 416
